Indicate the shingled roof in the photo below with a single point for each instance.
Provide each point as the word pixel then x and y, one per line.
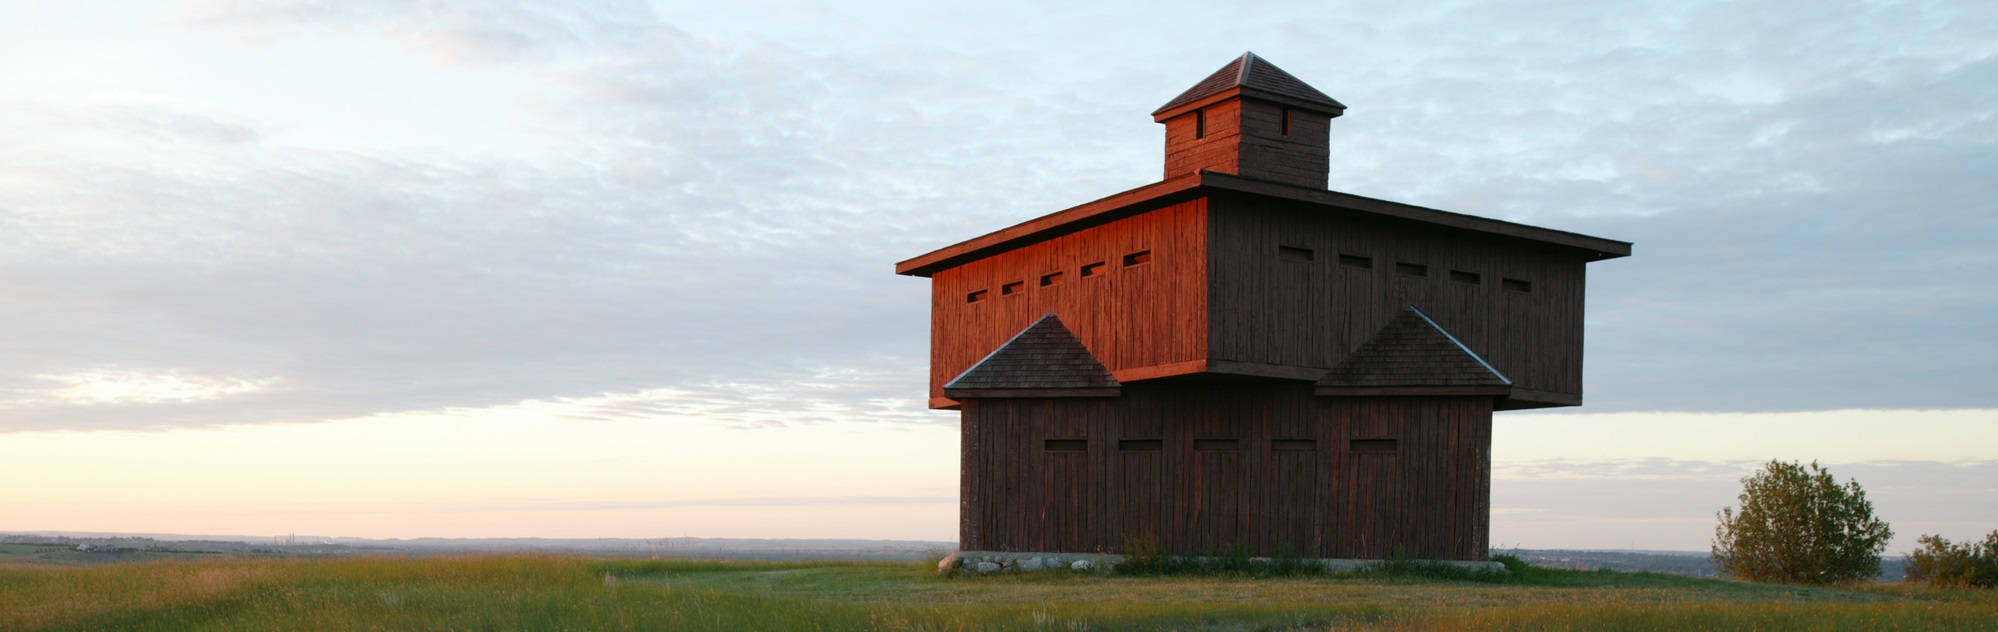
pixel 1413 355
pixel 1043 360
pixel 1258 78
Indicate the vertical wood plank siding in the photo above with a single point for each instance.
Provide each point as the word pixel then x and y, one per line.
pixel 1215 288
pixel 1268 310
pixel 1129 316
pixel 1429 498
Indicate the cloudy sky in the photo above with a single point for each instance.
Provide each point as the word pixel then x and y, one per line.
pixel 398 269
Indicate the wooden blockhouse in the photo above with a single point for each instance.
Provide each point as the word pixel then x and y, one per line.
pixel 1236 356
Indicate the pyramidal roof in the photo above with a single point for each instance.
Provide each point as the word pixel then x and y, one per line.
pixel 1043 360
pixel 1412 352
pixel 1256 77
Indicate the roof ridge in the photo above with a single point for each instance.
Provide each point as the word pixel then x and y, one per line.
pixel 1460 345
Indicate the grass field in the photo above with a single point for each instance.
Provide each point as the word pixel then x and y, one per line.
pixel 529 592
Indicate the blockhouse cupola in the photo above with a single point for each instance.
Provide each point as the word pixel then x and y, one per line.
pixel 1251 119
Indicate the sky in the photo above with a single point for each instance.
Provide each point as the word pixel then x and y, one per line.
pixel 624 269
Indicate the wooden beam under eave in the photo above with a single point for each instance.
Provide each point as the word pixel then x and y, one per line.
pixel 969 393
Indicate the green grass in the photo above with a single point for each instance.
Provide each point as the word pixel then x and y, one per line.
pixel 577 593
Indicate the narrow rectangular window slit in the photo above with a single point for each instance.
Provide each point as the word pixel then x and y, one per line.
pixel 1293 445
pixel 1138 258
pixel 975 296
pixel 1140 445
pixel 1411 269
pixel 1471 278
pixel 1286 121
pixel 1217 444
pixel 1011 288
pixel 1517 285
pixel 1200 123
pixel 1294 253
pixel 1090 270
pixel 1356 261
pixel 1372 445
pixel 1050 278
pixel 1068 445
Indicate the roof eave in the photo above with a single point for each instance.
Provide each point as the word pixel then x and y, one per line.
pixel 1597 247
pixel 1333 109
pixel 1189 186
pixel 1052 225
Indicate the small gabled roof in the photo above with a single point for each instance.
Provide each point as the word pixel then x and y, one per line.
pixel 1413 355
pixel 1043 360
pixel 1255 77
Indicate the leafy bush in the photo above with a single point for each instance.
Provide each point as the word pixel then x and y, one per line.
pixel 1520 570
pixel 1967 565
pixel 1800 527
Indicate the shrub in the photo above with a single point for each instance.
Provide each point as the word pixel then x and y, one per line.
pixel 1967 565
pixel 1800 527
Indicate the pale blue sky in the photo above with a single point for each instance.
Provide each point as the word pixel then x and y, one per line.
pixel 447 238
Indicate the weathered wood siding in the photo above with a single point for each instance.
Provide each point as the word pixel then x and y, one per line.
pixel 1129 316
pixel 1209 138
pixel 1271 305
pixel 1247 137
pixel 1262 464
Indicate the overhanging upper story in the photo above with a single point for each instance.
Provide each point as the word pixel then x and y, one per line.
pixel 1241 262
